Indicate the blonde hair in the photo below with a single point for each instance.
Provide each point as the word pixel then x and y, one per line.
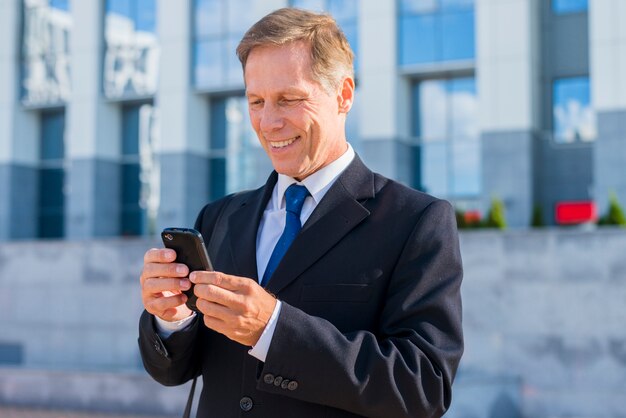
pixel 331 55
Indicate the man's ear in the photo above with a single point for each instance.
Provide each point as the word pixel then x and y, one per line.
pixel 345 96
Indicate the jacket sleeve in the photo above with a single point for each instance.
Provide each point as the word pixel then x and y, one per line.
pixel 406 367
pixel 173 361
pixel 177 359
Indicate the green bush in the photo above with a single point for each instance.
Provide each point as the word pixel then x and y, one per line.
pixel 615 214
pixel 496 216
pixel 537 219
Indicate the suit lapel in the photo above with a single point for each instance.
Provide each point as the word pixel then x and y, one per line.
pixel 337 214
pixel 244 225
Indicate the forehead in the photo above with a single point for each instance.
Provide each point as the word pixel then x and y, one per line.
pixel 276 67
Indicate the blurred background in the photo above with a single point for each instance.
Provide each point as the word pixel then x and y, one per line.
pixel 119 118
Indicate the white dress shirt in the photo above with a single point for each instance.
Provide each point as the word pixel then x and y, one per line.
pixel 270 229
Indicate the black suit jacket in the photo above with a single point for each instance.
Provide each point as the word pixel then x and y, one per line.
pixel 371 317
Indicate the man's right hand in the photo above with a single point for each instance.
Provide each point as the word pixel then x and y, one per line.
pixel 162 282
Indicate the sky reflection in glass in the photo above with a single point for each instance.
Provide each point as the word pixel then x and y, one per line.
pixel 436 30
pixel 574 118
pixel 447 131
pixel 569 6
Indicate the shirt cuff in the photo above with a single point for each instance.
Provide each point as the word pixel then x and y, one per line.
pixel 262 346
pixel 166 328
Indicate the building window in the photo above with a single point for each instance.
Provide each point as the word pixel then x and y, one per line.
pixel 569 6
pixel 237 160
pixel 139 174
pixel 218 27
pixel 45 52
pixel 432 31
pixel 574 118
pixel 131 60
pixel 51 214
pixel 447 133
pixel 346 14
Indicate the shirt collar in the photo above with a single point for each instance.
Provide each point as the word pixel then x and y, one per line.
pixel 317 183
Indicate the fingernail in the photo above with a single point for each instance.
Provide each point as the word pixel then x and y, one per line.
pixel 192 277
pixel 184 284
pixel 180 269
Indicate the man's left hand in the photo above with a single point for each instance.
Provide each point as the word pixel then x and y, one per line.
pixel 234 306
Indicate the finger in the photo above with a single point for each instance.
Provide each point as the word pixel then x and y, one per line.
pixel 215 310
pixel 158 305
pixel 159 285
pixel 164 270
pixel 159 255
pixel 219 295
pixel 223 280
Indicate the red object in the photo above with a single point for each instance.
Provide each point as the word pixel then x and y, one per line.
pixel 472 216
pixel 568 213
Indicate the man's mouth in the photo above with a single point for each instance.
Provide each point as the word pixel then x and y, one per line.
pixel 283 144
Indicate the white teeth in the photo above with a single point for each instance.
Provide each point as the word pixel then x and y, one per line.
pixel 281 144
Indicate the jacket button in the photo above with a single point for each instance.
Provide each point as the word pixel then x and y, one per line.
pixel 285 384
pixel 293 385
pixel 278 380
pixel 246 404
pixel 268 378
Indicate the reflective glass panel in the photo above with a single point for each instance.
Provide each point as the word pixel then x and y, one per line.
pixel 51 193
pixel 52 136
pixel 45 52
pixel 574 118
pixel 139 171
pixel 447 132
pixel 208 17
pixel 433 111
pixel 313 5
pixel 343 10
pixel 452 5
pixel 208 68
pixel 435 30
pixel 238 161
pixel 131 59
pixel 419 6
pixel 146 16
pixel 569 6
pixel 458 36
pixel 418 39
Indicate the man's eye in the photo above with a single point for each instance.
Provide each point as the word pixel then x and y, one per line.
pixel 256 102
pixel 290 101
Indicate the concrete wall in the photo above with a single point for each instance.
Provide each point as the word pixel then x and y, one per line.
pixel 543 319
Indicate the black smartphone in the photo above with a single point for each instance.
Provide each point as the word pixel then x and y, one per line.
pixel 190 250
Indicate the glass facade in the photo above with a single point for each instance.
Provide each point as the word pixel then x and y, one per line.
pixel 218 27
pixel 238 162
pixel 51 196
pixel 45 52
pixel 569 6
pixel 573 117
pixel 131 60
pixel 446 126
pixel 139 173
pixel 431 31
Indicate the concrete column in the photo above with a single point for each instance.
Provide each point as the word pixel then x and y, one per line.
pixel 183 134
pixel 507 82
pixel 93 132
pixel 608 94
pixel 383 108
pixel 19 136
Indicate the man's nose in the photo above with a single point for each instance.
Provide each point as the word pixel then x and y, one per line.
pixel 271 118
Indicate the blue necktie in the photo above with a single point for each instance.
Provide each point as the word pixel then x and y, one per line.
pixel 294 196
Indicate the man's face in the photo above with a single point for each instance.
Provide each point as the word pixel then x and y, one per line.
pixel 300 125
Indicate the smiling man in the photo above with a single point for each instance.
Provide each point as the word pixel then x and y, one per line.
pixel 336 291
